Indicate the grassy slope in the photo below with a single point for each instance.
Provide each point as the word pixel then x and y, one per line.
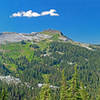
pixel 14 51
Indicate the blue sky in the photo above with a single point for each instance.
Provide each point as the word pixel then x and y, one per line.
pixel 78 19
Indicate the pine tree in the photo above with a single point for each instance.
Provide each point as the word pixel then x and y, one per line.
pixel 3 95
pixel 83 92
pixel 73 91
pixel 45 93
pixel 63 89
pixel 98 94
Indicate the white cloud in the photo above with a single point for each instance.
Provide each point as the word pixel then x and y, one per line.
pixel 51 13
pixel 45 13
pixel 35 14
pixel 54 14
pixel 30 14
pixel 18 14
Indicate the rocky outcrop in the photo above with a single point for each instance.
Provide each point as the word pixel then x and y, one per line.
pixel 17 37
pixel 6 37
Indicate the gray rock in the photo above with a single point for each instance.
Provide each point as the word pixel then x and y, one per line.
pixel 17 37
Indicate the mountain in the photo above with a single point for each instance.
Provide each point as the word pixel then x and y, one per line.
pixel 38 36
pixel 28 56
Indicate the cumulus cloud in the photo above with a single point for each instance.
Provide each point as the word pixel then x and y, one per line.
pixel 51 13
pixel 18 14
pixel 30 13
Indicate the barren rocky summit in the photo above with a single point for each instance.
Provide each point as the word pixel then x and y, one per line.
pixel 38 36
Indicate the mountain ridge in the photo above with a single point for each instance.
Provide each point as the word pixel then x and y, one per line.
pixel 17 37
pixel 13 37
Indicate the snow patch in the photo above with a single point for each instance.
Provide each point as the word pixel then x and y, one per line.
pixel 10 79
pixel 51 86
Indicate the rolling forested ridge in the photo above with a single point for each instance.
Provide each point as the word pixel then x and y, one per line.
pixel 48 66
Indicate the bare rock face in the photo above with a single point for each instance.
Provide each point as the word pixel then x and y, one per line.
pixel 17 37
pixel 10 37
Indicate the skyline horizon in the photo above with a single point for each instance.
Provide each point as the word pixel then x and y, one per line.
pixel 65 34
pixel 77 19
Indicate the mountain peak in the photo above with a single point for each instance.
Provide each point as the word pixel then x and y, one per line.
pixel 51 31
pixel 36 36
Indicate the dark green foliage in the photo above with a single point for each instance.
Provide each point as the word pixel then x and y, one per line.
pixel 34 46
pixel 45 93
pixel 63 88
pixel 83 93
pixel 29 64
pixel 74 92
pixel 69 90
pixel 4 94
pixel 23 42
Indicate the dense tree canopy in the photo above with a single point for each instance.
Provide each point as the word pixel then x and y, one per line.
pixel 30 61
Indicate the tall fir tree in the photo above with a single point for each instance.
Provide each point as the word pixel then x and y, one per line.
pixel 83 92
pixel 98 94
pixel 45 93
pixel 63 88
pixel 73 91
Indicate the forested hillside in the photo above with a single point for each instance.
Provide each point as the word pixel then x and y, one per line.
pixel 24 63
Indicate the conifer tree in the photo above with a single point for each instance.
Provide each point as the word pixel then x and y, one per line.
pixel 3 95
pixel 83 92
pixel 73 91
pixel 45 93
pixel 98 94
pixel 63 89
